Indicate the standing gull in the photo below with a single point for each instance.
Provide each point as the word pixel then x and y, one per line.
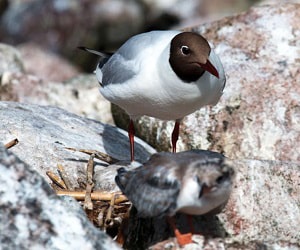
pixel 162 74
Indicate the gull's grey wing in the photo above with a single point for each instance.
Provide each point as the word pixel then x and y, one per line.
pixel 125 63
pixel 153 189
pixel 122 66
pixel 115 70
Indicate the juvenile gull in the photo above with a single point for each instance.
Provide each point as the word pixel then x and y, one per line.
pixel 193 182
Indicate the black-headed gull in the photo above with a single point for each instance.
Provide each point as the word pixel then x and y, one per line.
pixel 162 74
pixel 193 182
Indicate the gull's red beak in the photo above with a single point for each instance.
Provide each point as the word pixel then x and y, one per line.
pixel 210 68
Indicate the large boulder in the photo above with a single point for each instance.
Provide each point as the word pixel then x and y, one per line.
pixel 44 133
pixel 31 75
pixel 10 60
pixel 33 217
pixel 263 209
pixel 44 64
pixel 79 95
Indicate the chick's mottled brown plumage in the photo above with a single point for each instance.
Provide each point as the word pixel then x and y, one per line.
pixel 193 182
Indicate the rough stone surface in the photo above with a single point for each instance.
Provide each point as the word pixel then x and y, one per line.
pixel 263 210
pixel 79 95
pixel 10 59
pixel 259 114
pixel 33 217
pixel 46 65
pixel 265 203
pixel 44 132
pixel 35 76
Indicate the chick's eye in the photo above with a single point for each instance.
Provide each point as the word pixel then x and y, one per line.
pixel 185 50
pixel 222 178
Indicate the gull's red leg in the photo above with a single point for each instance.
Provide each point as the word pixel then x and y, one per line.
pixel 175 135
pixel 131 133
pixel 182 239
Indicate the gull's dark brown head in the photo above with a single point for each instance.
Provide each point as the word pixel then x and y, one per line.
pixel 189 55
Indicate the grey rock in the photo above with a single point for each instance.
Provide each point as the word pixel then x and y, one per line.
pixel 104 177
pixel 10 59
pixel 79 95
pixel 264 205
pixel 46 65
pixel 33 217
pixel 85 96
pixel 44 132
pixel 49 80
pixel 195 12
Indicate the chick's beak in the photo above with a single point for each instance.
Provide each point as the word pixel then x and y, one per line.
pixel 210 68
pixel 205 190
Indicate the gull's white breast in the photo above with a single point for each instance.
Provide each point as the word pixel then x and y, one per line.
pixel 143 82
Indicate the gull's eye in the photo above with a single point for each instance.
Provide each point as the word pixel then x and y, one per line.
pixel 185 50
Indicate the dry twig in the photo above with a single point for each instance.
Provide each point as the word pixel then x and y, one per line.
pixel 101 218
pixel 95 196
pixel 110 210
pixel 64 176
pixel 104 208
pixel 54 178
pixel 99 155
pixel 88 204
pixel 11 143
